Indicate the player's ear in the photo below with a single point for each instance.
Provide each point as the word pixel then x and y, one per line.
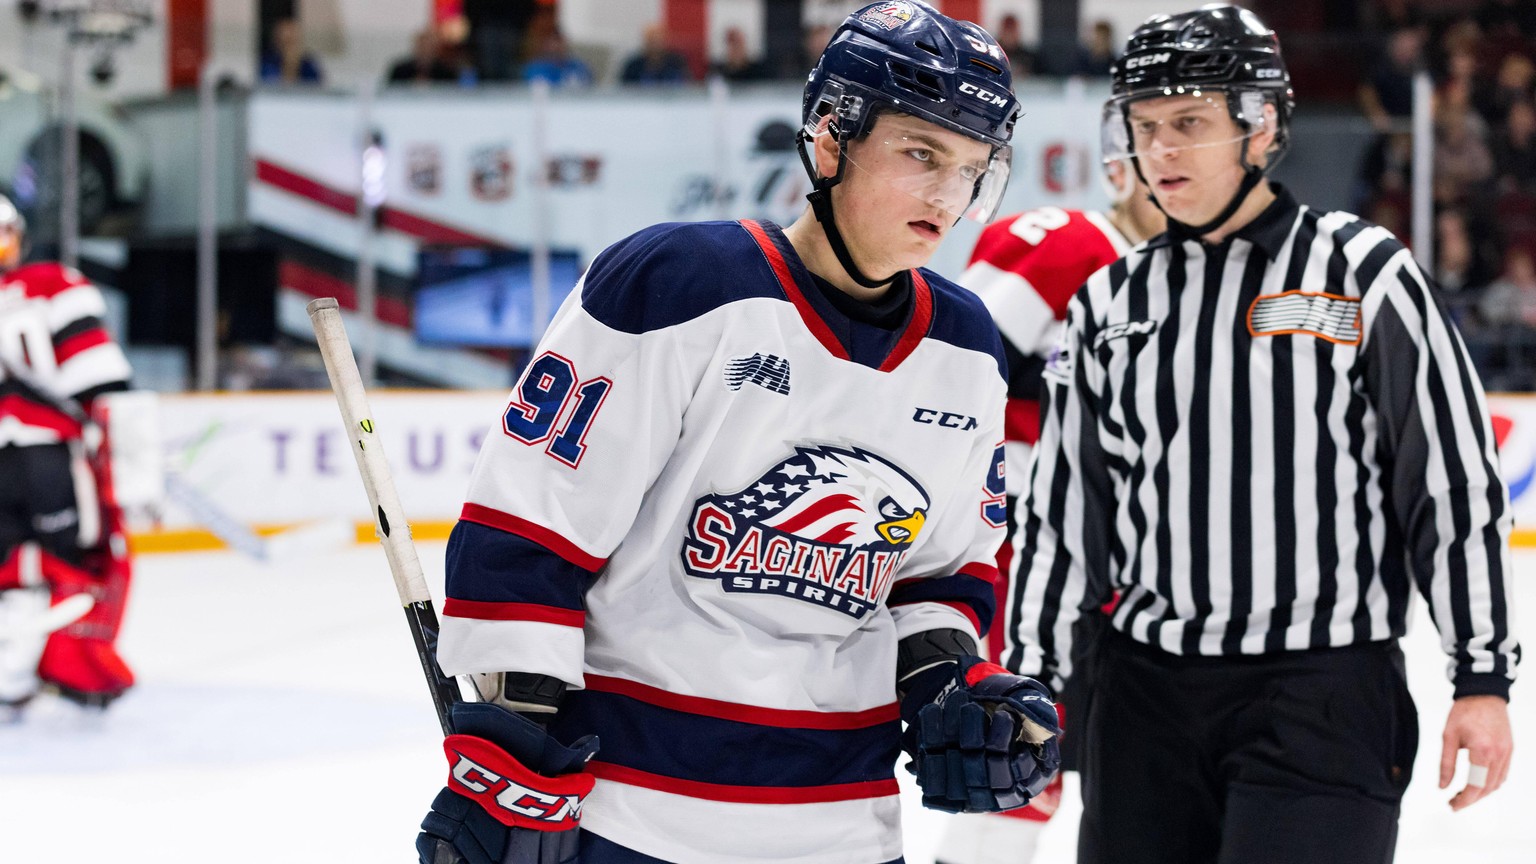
pixel 826 150
pixel 1262 142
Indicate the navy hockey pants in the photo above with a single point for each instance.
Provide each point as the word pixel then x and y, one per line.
pixel 1280 759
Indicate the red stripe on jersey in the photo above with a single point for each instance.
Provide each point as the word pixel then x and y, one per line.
pixel 818 327
pixel 38 415
pixel 1059 261
pixel 744 794
pixel 966 610
pixel 45 279
pixel 80 342
pixel 917 328
pixel 489 611
pixel 1021 420
pixel 481 515
pixel 985 571
pixel 781 718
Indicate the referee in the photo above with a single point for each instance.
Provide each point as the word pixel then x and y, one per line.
pixel 1264 432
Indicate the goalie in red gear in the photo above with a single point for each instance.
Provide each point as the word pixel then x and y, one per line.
pixel 61 531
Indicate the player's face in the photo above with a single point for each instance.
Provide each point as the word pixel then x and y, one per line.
pixel 906 183
pixel 10 248
pixel 1189 149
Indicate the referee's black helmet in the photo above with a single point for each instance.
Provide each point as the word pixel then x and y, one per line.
pixel 1216 47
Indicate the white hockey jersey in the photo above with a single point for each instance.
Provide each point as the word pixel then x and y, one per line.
pixel 54 347
pixel 715 505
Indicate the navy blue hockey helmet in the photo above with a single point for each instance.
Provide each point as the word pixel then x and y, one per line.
pixel 906 57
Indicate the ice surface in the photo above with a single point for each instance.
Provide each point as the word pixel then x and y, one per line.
pixel 280 717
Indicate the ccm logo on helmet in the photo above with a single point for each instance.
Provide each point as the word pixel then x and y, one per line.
pixel 986 96
pixel 1150 59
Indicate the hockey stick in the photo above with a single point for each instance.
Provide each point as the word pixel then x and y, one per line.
pixel 390 525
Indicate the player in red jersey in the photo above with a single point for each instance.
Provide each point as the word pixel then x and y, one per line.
pixel 60 530
pixel 1026 268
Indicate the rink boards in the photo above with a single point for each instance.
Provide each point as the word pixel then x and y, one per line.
pixel 272 461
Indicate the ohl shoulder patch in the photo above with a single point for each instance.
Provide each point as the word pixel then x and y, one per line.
pixel 1327 316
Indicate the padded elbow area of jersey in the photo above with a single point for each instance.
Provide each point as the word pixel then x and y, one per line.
pixel 986 742
pixel 514 794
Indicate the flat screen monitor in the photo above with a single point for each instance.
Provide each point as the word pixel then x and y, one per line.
pixel 482 297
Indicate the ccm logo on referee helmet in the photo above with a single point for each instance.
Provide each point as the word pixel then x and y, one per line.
pixel 986 96
pixel 1150 59
pixel 947 419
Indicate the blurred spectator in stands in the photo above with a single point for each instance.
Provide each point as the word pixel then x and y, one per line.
pixel 554 62
pixel 656 63
pixel 739 65
pixel 1386 16
pixel 286 61
pixel 1507 25
pixel 812 40
pixel 426 64
pixel 1511 299
pixel 1387 96
pixel 1514 150
pixel 1510 85
pixel 1095 58
pixel 1390 211
pixel 1520 15
pixel 496 29
pixel 1022 59
pixel 1463 161
pixel 1462 265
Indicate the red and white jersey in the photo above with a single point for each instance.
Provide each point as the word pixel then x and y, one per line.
pixel 53 347
pixel 1026 268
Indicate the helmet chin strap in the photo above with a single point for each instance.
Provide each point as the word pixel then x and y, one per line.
pixel 821 205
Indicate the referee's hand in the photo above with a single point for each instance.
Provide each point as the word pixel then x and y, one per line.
pixel 1479 725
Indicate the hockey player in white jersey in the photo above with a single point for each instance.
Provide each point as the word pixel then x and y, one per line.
pixel 61 531
pixel 738 520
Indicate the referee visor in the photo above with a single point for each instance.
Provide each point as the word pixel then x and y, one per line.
pixel 1172 119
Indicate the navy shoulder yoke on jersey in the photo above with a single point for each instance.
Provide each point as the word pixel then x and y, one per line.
pixel 670 273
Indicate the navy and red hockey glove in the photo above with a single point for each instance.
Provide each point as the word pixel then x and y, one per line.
pixel 514 794
pixel 982 739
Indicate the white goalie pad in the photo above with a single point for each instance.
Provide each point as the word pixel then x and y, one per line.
pixel 135 469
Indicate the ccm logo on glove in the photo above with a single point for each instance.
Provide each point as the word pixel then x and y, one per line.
pixel 512 794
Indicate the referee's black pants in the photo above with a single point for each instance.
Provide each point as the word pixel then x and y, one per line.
pixel 1292 758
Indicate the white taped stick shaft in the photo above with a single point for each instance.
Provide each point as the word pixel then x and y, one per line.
pixel 389 521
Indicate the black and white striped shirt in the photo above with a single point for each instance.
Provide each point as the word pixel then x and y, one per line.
pixel 1265 445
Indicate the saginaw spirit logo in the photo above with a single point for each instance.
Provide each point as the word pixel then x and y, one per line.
pixel 828 526
pixel 888 16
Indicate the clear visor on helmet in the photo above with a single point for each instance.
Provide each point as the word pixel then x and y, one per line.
pixel 951 175
pixel 1173 119
pixel 957 176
